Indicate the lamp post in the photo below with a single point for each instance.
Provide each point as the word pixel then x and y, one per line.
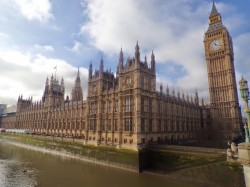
pixel 244 91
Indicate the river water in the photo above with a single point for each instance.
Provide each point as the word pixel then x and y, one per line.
pixel 20 167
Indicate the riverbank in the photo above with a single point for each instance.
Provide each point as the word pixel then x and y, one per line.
pixel 108 156
pixel 201 168
pixel 207 167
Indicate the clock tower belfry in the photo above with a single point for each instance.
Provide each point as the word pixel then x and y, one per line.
pixel 226 117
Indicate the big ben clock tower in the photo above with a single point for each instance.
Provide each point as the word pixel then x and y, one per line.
pixel 225 111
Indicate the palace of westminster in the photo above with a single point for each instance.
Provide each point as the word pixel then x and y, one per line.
pixel 126 110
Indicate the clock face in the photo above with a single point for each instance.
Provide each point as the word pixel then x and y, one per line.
pixel 215 45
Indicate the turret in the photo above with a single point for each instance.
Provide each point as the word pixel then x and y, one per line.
pixel 137 53
pixel 46 89
pixel 145 62
pixel 179 95
pixel 173 92
pixel 101 68
pixel 62 85
pixel 196 98
pixel 90 71
pixel 47 81
pixel 121 59
pixel 161 88
pixel 78 76
pixel 76 94
pixel 167 91
pixel 51 80
pixel 152 62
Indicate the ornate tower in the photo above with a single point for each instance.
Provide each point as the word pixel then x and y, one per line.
pixel 76 94
pixel 54 92
pixel 225 110
pixel 137 53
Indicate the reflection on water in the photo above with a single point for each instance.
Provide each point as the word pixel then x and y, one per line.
pixel 14 173
pixel 25 168
pixel 20 167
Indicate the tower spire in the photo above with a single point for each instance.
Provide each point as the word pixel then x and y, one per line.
pixel 90 70
pixel 167 91
pixel 62 84
pixel 78 76
pixel 101 68
pixel 76 94
pixel 137 52
pixel 47 81
pixel 121 59
pixel 152 61
pixel 214 11
pixel 145 62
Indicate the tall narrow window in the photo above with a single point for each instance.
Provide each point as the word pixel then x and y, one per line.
pixel 116 125
pixel 142 82
pixel 142 104
pixel 150 105
pixel 128 124
pixel 142 125
pixel 128 104
pixel 92 124
pixel 159 125
pixel 103 125
pixel 116 106
pixel 128 80
pixel 150 125
pixel 93 108
pixel 146 104
pixel 104 107
pixel 109 125
pixel 110 106
pixel 83 125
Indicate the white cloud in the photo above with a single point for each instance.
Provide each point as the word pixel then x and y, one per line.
pixel 76 47
pixel 173 29
pixel 35 9
pixel 26 74
pixel 241 49
pixel 3 35
pixel 55 28
pixel 44 47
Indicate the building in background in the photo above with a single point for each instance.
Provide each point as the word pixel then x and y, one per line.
pixel 7 116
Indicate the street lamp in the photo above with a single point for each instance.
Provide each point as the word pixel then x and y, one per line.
pixel 244 91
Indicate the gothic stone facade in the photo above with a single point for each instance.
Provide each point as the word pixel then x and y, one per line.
pixel 126 110
pixel 123 110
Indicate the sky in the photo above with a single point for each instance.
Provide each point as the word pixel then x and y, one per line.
pixel 38 35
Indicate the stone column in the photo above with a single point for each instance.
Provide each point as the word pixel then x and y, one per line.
pixel 244 159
